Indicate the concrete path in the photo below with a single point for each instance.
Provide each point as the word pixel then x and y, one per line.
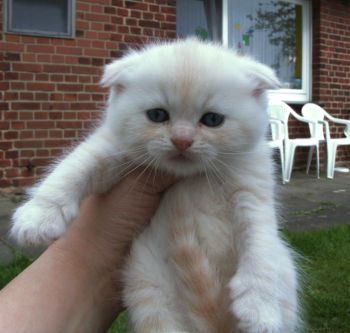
pixel 306 203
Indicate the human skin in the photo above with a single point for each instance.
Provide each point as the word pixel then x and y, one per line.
pixel 74 286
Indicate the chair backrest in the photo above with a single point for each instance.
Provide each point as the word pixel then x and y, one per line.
pixel 314 112
pixel 281 111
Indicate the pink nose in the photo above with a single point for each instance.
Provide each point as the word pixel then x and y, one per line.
pixel 181 143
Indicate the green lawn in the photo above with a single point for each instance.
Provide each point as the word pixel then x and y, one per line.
pixel 325 262
pixel 326 278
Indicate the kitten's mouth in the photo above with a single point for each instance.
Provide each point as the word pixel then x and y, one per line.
pixel 180 158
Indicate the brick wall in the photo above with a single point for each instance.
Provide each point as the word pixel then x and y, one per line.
pixel 331 62
pixel 49 89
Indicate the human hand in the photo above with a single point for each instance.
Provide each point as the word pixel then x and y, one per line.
pixel 73 286
pixel 102 234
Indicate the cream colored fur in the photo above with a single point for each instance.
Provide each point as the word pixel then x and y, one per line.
pixel 212 260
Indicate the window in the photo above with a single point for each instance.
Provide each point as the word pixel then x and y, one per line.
pixel 40 17
pixel 202 18
pixel 277 33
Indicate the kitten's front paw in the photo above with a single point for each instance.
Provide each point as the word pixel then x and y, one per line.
pixel 40 222
pixel 256 311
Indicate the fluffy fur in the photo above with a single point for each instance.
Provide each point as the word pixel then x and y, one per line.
pixel 212 260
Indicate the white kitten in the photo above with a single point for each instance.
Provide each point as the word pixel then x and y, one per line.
pixel 212 259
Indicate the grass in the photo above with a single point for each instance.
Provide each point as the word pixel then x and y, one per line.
pixel 326 278
pixel 325 261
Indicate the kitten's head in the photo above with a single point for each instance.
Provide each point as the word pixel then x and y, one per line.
pixel 187 106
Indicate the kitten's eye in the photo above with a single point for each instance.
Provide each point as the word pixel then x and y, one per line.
pixel 212 119
pixel 157 115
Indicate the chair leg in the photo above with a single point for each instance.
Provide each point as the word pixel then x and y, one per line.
pixel 331 160
pixel 290 150
pixel 318 161
pixel 309 159
pixel 282 165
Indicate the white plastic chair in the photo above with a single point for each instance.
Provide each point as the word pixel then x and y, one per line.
pixel 277 141
pixel 281 111
pixel 315 112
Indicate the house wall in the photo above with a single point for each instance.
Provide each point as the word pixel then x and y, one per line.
pixel 331 62
pixel 49 89
pixel 50 94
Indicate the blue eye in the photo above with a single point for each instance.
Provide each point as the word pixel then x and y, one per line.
pixel 157 115
pixel 212 119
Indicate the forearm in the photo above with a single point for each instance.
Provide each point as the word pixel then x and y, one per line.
pixel 60 293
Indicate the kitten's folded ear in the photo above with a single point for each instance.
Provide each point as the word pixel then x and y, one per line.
pixel 111 73
pixel 262 76
pixel 115 71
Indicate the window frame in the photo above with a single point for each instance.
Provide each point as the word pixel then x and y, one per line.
pixel 8 10
pixel 294 96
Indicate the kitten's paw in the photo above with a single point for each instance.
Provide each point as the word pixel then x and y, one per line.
pixel 40 222
pixel 256 312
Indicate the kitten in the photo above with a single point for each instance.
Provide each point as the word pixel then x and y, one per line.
pixel 212 260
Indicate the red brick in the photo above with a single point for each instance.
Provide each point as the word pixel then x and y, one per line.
pixel 4 125
pixel 23 181
pixel 56 68
pixel 69 50
pixel 25 106
pixel 11 47
pixel 27 67
pixel 57 134
pixel 26 134
pixel 27 153
pixel 40 124
pixel 5 145
pixel 56 143
pixel 40 48
pixel 41 115
pixel 40 86
pixel 29 57
pixel 11 135
pixel 26 76
pixel 4 106
pixel 41 96
pixel 5 163
pixel 5 183
pixel 69 124
pixel 96 52
pixel 97 17
pixel 149 24
pixel 10 96
pixel 18 125
pixel 44 58
pixel 11 173
pixel 57 59
pixel 13 38
pixel 26 115
pixel 70 87
pixel 26 96
pixel 10 115
pixel 122 12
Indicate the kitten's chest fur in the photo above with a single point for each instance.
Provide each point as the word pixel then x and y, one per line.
pixel 193 208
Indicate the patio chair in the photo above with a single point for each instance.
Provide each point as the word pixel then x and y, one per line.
pixel 281 111
pixel 277 141
pixel 315 112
